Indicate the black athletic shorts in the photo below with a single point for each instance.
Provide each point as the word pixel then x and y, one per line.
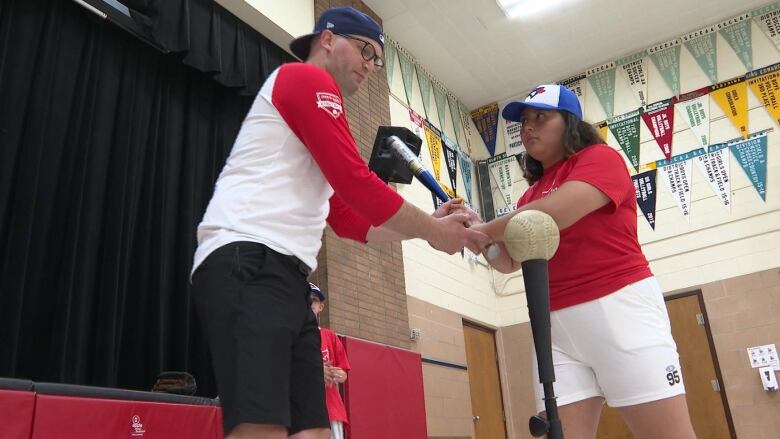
pixel 253 304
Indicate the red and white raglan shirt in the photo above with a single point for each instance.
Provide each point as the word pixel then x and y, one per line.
pixel 600 253
pixel 333 353
pixel 293 167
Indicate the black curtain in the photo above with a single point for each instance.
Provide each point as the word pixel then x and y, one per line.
pixel 108 155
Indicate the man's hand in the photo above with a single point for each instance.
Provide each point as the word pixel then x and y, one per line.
pixel 334 375
pixel 456 205
pixel 452 235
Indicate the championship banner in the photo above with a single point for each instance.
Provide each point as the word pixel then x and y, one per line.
pixel 666 57
pixel 441 102
pixel 576 85
pixel 714 165
pixel 644 186
pixel 736 31
pixel 451 160
pixel 390 55
pixel 602 79
pixel 458 127
pixel 486 120
pixel 465 172
pixel 603 130
pixel 751 155
pixel 659 118
pixel 768 19
pixel 407 71
pixel 417 120
pixel 511 131
pixel 634 70
pixel 625 128
pixel 677 173
pixel 425 90
pixel 433 139
pixel 695 106
pixel 732 98
pixel 500 170
pixel 702 44
pixel 765 84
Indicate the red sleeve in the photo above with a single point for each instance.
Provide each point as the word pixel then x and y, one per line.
pixel 340 354
pixel 346 222
pixel 310 103
pixel 603 168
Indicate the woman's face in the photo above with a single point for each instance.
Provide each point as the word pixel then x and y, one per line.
pixel 542 134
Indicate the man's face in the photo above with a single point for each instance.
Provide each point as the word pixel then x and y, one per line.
pixel 316 305
pixel 348 63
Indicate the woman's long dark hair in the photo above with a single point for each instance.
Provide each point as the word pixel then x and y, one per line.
pixel 577 135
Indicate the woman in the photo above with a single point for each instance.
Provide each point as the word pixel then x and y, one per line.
pixel 610 331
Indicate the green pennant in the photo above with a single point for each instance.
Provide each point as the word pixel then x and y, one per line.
pixel 739 37
pixel 441 101
pixel 390 55
pixel 425 89
pixel 703 47
pixel 625 128
pixel 666 58
pixel 407 70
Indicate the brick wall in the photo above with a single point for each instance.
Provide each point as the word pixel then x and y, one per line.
pixel 365 283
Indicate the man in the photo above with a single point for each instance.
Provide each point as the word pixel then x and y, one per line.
pixel 294 166
pixel 335 367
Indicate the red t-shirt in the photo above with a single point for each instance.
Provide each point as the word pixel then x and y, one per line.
pixel 333 352
pixel 600 253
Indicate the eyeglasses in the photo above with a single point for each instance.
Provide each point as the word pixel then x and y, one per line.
pixel 368 52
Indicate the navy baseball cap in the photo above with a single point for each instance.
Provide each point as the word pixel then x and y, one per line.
pixel 344 20
pixel 317 292
pixel 545 97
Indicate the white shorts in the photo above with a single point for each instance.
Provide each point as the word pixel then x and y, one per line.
pixel 618 347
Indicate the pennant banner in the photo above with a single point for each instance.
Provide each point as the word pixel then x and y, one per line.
pixel 625 128
pixel 602 79
pixel 695 106
pixel 677 173
pixel 512 140
pixel 644 186
pixel 768 19
pixel 714 165
pixel 666 57
pixel 486 120
pixel 441 103
pixel 702 44
pixel 500 170
pixel 731 97
pixel 659 118
pixel 407 72
pixel 465 172
pixel 737 32
pixel 455 113
pixel 451 160
pixel 603 130
pixel 417 122
pixel 634 69
pixel 765 84
pixel 576 85
pixel 751 155
pixel 465 115
pixel 390 55
pixel 433 138
pixel 425 90
pixel 436 201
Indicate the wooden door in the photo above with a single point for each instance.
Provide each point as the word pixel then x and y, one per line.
pixel 484 383
pixel 706 404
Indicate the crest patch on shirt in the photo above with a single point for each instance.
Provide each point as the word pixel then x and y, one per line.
pixel 330 103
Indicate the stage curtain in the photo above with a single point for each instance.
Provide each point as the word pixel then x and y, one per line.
pixel 108 155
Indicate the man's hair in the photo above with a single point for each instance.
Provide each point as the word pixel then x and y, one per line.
pixel 577 135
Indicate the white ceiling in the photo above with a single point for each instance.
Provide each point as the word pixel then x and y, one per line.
pixel 481 56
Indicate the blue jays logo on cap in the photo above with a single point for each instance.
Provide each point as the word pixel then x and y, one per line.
pixel 344 20
pixel 545 97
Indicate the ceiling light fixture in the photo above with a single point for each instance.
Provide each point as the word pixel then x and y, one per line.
pixel 525 8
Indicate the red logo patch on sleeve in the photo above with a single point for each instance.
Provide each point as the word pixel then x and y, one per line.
pixel 330 103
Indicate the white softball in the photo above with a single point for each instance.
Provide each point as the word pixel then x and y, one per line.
pixel 531 234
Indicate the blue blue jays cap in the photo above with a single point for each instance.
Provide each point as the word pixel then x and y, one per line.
pixel 344 20
pixel 545 97
pixel 317 292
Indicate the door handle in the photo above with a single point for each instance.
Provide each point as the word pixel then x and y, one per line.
pixel 475 418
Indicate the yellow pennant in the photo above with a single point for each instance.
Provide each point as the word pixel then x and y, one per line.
pixel 434 147
pixel 646 167
pixel 603 129
pixel 731 96
pixel 448 190
pixel 765 84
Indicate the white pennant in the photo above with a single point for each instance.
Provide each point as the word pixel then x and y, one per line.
pixel 714 165
pixel 678 180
